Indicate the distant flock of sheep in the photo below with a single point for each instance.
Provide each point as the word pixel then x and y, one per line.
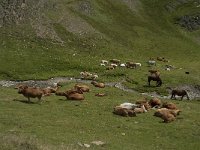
pixel 113 63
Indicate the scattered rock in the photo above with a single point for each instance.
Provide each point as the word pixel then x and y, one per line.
pixel 86 145
pixel 123 134
pixel 98 143
pixel 189 22
pixel 80 144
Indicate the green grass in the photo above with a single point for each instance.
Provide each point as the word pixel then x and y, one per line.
pixel 58 122
pixel 121 33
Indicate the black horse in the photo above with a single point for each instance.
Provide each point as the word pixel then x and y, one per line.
pixel 155 78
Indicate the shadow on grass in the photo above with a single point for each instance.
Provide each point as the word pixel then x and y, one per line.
pixel 63 99
pixel 151 86
pixel 27 102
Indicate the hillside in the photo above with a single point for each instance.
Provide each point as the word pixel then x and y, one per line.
pixel 43 42
pixel 45 38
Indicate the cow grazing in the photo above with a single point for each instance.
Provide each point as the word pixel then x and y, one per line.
pixel 178 92
pixel 155 78
pixel 30 92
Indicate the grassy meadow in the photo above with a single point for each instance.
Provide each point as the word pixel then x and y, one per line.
pixel 77 35
pixel 61 124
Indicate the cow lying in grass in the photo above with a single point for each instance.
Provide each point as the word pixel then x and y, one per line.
pixel 166 114
pixel 124 112
pixel 169 106
pixel 82 87
pixel 155 102
pixel 48 91
pixel 129 109
pixel 98 84
pixel 73 94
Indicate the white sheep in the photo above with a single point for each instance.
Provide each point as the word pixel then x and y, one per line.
pixel 152 62
pixel 138 64
pixel 102 64
pixel 95 76
pixel 114 65
pixel 122 65
pixel 85 74
pixel 104 61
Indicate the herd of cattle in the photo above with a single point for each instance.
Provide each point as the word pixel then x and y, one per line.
pixel 166 111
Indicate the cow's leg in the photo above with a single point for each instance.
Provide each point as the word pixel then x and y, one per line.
pixel 157 83
pixel 172 96
pixel 187 97
pixel 29 100
pixel 182 97
pixel 39 100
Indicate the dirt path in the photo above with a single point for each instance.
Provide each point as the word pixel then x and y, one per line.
pixel 193 91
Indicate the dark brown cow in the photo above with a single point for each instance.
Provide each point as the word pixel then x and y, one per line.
pixel 155 78
pixel 181 93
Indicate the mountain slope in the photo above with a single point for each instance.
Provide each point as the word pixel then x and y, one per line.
pixel 45 38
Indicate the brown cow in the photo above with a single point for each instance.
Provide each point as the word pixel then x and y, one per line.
pixel 155 78
pixel 110 68
pixel 155 102
pixel 75 96
pixel 30 92
pixel 140 109
pixel 131 65
pixel 116 61
pixel 143 102
pixel 169 106
pixel 124 112
pixel 155 72
pixel 98 84
pixel 83 88
pixel 181 93
pixel 48 91
pixel 72 94
pixel 166 114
